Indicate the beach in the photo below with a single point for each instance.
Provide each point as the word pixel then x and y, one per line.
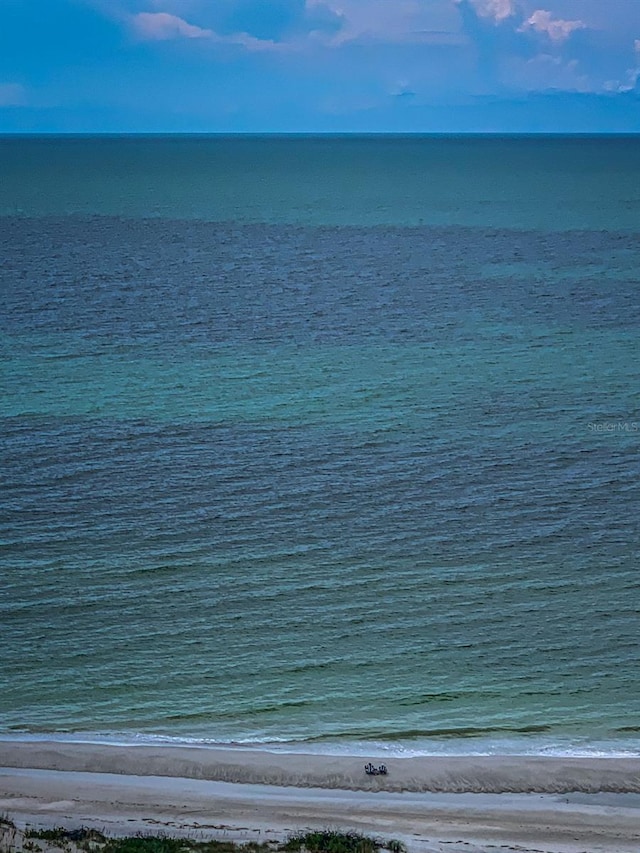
pixel 491 774
pixel 560 805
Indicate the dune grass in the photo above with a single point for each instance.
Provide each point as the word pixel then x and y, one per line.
pixel 93 841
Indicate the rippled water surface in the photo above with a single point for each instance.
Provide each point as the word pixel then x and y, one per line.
pixel 321 440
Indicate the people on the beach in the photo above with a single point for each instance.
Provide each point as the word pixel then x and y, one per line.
pixel 370 770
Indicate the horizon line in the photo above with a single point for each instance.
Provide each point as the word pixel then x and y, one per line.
pixel 320 133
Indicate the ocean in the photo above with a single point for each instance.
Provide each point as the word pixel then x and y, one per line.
pixel 322 443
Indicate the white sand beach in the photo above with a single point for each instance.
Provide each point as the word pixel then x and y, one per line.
pixel 472 804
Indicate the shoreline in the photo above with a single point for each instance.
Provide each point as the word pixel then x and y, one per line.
pixel 249 766
pixel 390 747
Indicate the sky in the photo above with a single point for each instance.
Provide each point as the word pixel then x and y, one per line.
pixel 263 66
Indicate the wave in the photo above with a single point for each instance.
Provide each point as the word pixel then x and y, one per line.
pixel 530 741
pixel 447 733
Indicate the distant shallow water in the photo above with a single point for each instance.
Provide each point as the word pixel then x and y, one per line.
pixel 327 484
pixel 542 183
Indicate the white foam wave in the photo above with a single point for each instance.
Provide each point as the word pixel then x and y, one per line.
pixel 559 747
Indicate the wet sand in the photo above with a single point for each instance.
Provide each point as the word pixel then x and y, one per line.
pixel 447 774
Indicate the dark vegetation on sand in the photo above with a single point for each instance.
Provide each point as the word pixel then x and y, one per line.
pixel 93 841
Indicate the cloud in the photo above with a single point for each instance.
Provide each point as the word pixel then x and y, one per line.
pixel 497 10
pixel 547 72
pixel 633 74
pixel 12 95
pixel 161 26
pixel 397 22
pixel 492 30
pixel 558 30
pixel 256 25
pixel 272 21
pixel 535 49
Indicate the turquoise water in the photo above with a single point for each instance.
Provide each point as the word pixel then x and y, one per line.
pixel 332 441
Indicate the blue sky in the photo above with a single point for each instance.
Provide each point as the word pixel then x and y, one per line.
pixel 319 65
